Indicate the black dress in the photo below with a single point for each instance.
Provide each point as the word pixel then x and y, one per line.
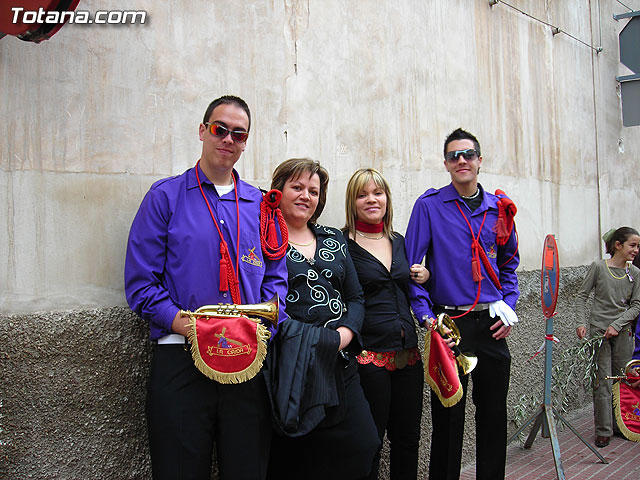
pixel 324 292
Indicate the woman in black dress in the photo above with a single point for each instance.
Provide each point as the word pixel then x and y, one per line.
pixel 390 367
pixel 326 309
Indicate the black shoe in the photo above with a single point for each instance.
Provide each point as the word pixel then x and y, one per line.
pixel 602 442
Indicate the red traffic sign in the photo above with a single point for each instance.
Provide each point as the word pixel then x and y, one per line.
pixel 550 276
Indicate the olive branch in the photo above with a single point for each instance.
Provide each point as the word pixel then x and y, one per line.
pixel 576 369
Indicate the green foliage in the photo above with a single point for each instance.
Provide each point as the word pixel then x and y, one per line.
pixel 575 370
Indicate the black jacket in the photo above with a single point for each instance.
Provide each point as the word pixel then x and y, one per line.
pixel 304 378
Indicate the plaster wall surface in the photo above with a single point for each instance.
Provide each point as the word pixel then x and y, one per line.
pixel 95 115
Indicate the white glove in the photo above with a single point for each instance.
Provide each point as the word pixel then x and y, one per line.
pixel 504 311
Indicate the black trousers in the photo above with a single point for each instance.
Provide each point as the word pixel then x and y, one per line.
pixel 490 385
pixel 395 398
pixel 187 413
pixel 339 452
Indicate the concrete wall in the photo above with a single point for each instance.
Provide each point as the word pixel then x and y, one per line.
pixel 90 118
pixel 74 385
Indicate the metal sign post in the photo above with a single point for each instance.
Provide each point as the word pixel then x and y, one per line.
pixel 544 414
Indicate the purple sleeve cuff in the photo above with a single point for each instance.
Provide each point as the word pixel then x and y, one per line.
pixel 166 317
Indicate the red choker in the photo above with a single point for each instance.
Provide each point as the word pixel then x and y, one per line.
pixel 369 227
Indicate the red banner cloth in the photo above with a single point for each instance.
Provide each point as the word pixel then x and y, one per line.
pixel 228 349
pixel 626 405
pixel 441 370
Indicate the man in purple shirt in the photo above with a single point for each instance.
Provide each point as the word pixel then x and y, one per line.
pixel 472 277
pixel 173 263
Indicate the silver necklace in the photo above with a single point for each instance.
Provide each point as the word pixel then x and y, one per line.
pixel 370 238
pixel 472 196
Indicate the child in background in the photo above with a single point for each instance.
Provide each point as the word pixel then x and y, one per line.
pixel 616 304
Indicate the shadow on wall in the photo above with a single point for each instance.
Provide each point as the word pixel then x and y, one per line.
pixel 74 386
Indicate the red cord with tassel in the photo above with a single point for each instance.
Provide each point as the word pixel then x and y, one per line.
pixel 269 211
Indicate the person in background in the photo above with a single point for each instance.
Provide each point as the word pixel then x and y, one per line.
pixel 470 247
pixel 325 297
pixel 616 303
pixel 390 366
pixel 186 228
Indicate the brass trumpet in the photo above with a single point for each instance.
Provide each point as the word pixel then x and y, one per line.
pixel 627 372
pixel 267 310
pixel 466 361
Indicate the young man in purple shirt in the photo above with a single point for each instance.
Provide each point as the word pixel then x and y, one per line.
pixel 473 277
pixel 173 263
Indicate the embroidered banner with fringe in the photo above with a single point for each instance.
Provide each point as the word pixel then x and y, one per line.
pixel 228 349
pixel 626 405
pixel 441 370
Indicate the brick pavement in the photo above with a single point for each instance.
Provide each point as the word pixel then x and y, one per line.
pixel 578 461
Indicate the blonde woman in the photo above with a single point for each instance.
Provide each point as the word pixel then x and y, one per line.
pixel 390 368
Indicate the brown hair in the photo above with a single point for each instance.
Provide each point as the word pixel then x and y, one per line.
pixel 293 168
pixel 356 184
pixel 621 235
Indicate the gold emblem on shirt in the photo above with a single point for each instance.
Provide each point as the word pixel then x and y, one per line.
pixel 252 258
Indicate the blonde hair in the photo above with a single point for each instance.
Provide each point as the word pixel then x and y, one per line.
pixel 357 182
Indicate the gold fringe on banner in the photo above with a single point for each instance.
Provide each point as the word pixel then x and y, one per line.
pixel 262 333
pixel 633 436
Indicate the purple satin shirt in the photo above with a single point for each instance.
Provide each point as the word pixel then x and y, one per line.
pixel 438 231
pixel 173 252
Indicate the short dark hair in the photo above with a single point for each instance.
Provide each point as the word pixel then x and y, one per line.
pixel 293 168
pixel 621 235
pixel 227 100
pixel 460 134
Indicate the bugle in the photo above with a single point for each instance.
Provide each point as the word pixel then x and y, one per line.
pixel 466 361
pixel 266 310
pixel 229 342
pixel 627 372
